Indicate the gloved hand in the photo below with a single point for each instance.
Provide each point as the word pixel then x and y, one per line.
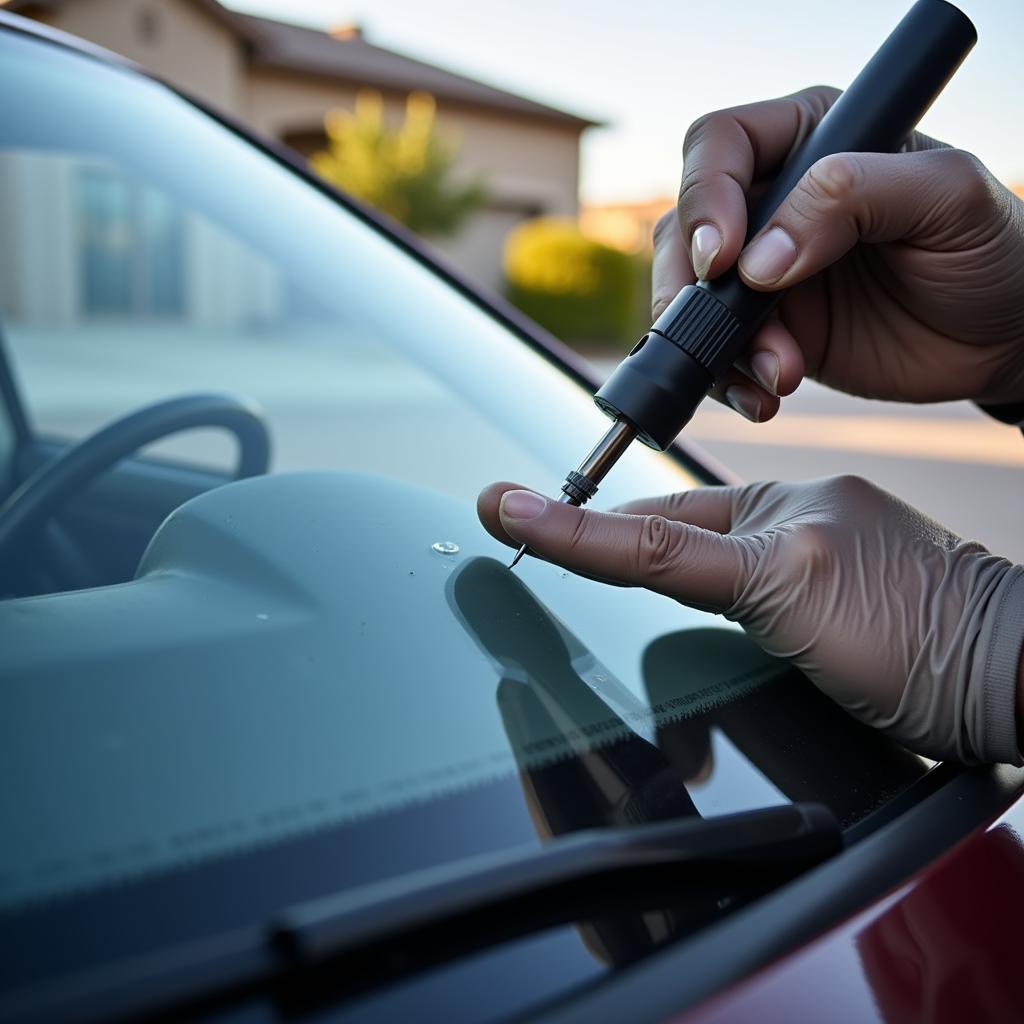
pixel 908 627
pixel 908 267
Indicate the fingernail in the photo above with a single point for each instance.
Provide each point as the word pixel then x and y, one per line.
pixel 521 505
pixel 765 367
pixel 767 259
pixel 746 404
pixel 704 246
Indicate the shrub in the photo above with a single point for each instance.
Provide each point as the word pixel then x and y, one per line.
pixel 577 288
pixel 404 171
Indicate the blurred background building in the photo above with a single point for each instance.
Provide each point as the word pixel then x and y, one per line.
pixel 283 80
pixel 580 268
pixel 628 226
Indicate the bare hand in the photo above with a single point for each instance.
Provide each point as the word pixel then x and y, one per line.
pixel 906 269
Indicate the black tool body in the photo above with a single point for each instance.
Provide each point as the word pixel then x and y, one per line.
pixel 659 385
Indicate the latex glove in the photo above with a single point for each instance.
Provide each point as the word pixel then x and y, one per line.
pixel 908 627
pixel 909 267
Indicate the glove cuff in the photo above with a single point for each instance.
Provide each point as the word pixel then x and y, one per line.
pixel 999 649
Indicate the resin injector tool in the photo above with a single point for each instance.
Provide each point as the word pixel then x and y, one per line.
pixel 656 389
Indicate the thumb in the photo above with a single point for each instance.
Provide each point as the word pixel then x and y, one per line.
pixel 686 562
pixel 931 198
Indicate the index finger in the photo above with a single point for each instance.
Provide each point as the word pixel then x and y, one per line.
pixel 723 154
pixel 710 508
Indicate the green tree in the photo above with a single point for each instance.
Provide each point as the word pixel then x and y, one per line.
pixel 405 171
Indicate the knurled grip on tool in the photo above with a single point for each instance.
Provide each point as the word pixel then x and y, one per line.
pixel 579 488
pixel 659 384
pixel 702 327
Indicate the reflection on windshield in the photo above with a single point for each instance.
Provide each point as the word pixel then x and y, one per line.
pixel 592 755
pixel 717 707
pixel 768 725
pixel 615 777
pixel 548 705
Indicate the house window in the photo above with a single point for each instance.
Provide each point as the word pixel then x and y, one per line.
pixel 149 26
pixel 130 242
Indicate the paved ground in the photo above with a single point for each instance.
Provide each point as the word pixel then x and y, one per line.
pixel 949 460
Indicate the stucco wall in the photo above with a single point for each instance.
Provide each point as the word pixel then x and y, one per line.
pixel 525 161
pixel 276 103
pixel 39 279
pixel 174 38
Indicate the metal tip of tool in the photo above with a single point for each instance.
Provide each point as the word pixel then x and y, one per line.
pixel 580 486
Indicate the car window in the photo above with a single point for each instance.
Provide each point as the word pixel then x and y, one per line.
pixel 146 251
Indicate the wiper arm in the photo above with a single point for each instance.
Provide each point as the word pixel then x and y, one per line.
pixel 432 915
pixel 349 940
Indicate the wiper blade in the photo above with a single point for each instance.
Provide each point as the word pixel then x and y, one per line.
pixel 348 941
pixel 464 906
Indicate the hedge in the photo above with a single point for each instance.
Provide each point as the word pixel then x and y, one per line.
pixel 577 288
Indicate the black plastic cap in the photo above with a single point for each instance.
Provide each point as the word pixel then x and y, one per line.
pixel 657 387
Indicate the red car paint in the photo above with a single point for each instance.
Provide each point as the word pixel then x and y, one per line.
pixel 943 947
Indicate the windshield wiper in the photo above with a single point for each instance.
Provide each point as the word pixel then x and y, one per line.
pixel 345 942
pixel 398 926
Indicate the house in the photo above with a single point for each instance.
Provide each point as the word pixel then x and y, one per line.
pixel 281 79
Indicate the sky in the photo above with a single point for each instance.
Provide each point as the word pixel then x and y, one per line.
pixel 648 69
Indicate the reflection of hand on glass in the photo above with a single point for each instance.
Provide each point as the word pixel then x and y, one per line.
pixel 580 764
pixel 583 766
pixel 760 714
pixel 558 726
pixel 905 625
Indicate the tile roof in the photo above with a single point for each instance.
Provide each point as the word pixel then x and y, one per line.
pixel 294 48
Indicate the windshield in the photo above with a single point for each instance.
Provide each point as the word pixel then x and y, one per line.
pixel 149 252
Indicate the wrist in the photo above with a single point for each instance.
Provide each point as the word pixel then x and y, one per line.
pixel 1020 695
pixel 999 670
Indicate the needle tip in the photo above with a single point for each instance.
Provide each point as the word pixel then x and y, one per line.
pixel 519 554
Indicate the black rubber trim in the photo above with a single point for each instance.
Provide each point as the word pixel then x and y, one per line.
pixel 681 976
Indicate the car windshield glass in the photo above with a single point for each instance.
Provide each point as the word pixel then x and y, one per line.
pixel 147 252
